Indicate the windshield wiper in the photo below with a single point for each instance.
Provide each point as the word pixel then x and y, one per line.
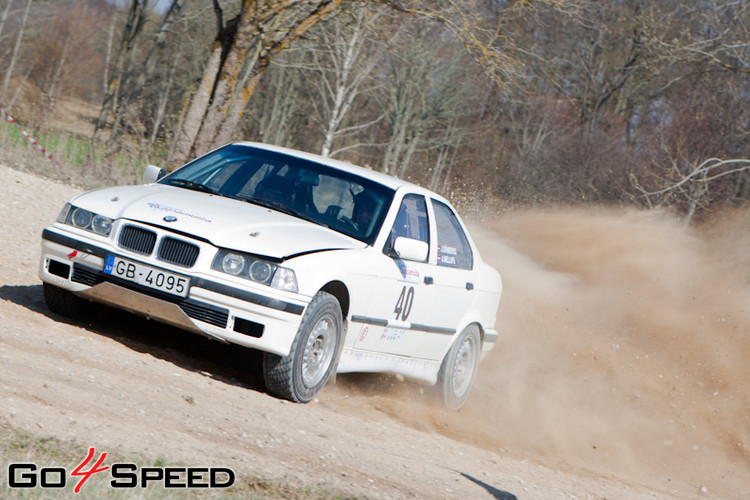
pixel 195 186
pixel 275 205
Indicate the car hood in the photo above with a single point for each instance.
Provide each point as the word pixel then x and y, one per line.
pixel 224 222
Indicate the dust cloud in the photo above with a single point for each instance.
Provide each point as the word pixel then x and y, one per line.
pixel 624 348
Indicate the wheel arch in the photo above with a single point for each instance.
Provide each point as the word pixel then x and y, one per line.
pixel 481 329
pixel 340 291
pixel 464 326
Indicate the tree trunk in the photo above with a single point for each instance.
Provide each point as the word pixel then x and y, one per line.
pixel 132 28
pixel 191 123
pixel 4 16
pixel 108 56
pixel 273 26
pixel 146 70
pixel 51 97
pixel 226 82
pixel 182 148
pixel 163 101
pixel 16 48
pixel 275 127
pixel 136 18
pixel 345 52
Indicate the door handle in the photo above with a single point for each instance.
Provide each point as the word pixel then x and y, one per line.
pixel 469 286
pixel 428 280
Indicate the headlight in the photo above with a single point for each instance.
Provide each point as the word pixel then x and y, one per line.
pixel 255 269
pixel 101 225
pixel 81 218
pixel 232 263
pixel 84 219
pixel 261 271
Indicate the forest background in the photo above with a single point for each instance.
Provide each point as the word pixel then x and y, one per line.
pixel 639 102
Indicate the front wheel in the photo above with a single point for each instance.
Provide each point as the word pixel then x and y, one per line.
pixel 300 375
pixel 459 368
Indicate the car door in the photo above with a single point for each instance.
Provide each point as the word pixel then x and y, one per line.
pixel 402 300
pixel 452 282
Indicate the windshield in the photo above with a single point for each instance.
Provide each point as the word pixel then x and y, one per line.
pixel 340 200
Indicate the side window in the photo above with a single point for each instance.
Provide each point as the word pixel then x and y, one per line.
pixel 411 221
pixel 453 246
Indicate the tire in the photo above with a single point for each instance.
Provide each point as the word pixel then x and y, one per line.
pixel 459 368
pixel 300 375
pixel 65 303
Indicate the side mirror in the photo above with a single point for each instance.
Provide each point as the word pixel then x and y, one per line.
pixel 409 249
pixel 153 174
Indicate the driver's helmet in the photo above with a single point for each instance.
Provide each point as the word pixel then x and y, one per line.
pixel 364 209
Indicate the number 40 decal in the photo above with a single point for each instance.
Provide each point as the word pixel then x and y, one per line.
pixel 404 303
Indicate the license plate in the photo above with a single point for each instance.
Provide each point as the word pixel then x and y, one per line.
pixel 148 276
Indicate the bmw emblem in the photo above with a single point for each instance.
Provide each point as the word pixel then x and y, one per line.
pixel 170 218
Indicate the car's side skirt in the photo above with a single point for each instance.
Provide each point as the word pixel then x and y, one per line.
pixel 355 360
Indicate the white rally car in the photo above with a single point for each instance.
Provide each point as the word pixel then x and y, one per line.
pixel 324 266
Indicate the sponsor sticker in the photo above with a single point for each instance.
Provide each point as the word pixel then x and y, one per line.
pixel 363 333
pixel 392 334
pixel 176 211
pixel 408 273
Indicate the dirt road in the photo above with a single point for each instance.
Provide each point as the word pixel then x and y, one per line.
pixel 621 373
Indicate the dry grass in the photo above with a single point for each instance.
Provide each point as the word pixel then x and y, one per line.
pixel 67 138
pixel 20 447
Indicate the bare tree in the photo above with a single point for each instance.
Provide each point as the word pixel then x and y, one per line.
pixel 277 112
pixel 250 41
pixel 16 48
pixel 163 100
pixel 695 187
pixel 4 16
pixel 424 96
pixel 108 55
pixel 404 77
pixel 343 66
pixel 144 71
pixel 124 59
pixel 483 28
pixel 61 50
pixel 541 99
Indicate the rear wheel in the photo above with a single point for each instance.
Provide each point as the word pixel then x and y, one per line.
pixel 300 375
pixel 66 303
pixel 459 368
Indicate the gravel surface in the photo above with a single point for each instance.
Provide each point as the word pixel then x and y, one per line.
pixel 121 383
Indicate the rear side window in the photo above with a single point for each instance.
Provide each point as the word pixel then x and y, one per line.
pixel 453 245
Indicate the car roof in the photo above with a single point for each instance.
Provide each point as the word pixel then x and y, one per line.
pixel 379 177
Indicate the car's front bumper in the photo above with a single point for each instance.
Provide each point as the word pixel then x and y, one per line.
pixel 214 307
